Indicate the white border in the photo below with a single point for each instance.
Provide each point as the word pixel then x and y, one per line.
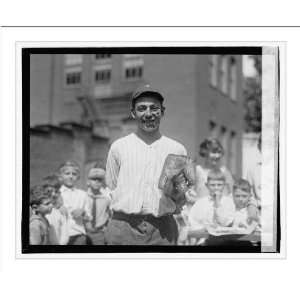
pixel 19 46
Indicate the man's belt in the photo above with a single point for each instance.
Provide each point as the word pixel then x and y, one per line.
pixel 135 219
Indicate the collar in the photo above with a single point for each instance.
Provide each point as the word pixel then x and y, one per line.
pixel 211 200
pixel 135 136
pixel 64 188
pixel 91 194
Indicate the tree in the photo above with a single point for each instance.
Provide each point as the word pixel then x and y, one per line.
pixel 252 96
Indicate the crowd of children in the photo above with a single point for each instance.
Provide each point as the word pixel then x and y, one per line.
pixel 62 214
pixel 217 200
pixel 218 210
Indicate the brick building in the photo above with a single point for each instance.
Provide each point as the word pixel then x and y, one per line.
pixel 80 103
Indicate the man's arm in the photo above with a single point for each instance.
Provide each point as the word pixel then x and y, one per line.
pixel 112 168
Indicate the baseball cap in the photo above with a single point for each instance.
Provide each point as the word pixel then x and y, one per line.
pixel 96 173
pixel 145 90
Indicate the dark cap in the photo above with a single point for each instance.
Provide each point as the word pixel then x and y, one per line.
pixel 146 90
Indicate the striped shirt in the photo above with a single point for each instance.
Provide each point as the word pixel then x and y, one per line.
pixel 133 170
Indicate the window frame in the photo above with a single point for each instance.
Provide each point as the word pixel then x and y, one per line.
pixel 72 70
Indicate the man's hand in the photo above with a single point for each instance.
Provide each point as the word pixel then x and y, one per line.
pixel 180 182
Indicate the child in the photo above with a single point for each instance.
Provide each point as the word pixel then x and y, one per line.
pixel 242 200
pixel 41 205
pixel 213 210
pixel 211 152
pixel 99 201
pixel 76 203
pixel 58 218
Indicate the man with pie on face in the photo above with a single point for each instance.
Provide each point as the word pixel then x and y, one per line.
pixel 141 213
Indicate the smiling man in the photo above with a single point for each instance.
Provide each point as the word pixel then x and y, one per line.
pixel 134 166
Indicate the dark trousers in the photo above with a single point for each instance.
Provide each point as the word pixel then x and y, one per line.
pixel 97 238
pixel 80 239
pixel 129 229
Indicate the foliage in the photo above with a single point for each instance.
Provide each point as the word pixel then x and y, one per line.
pixel 252 96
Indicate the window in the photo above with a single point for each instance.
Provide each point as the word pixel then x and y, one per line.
pixel 213 66
pixel 224 74
pixel 135 72
pixel 73 78
pixel 73 59
pixel 73 69
pixel 102 56
pixel 133 67
pixel 233 79
pixel 102 73
pixel 102 76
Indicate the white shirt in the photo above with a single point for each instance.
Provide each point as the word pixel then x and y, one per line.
pixel 202 213
pixel 75 199
pixel 59 223
pixel 133 170
pixel 241 217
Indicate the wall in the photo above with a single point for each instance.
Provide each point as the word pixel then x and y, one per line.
pixel 41 88
pixel 51 147
pixel 176 81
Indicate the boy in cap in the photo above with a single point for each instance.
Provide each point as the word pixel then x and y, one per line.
pixel 142 214
pixel 99 202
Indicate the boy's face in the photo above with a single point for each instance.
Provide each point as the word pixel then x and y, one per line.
pixel 215 187
pixel 148 112
pixel 240 198
pixel 54 192
pixel 96 183
pixel 69 176
pixel 45 207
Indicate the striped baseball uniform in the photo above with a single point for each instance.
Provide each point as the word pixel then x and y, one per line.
pixel 133 170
